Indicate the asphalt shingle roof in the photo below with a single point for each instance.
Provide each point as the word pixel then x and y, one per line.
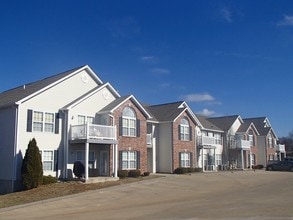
pixel 10 97
pixel 259 124
pixel 165 112
pixel 207 124
pixel 224 122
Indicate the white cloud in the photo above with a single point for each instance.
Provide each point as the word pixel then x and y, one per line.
pixel 226 14
pixel 206 112
pixel 204 97
pixel 287 21
pixel 160 71
pixel 149 59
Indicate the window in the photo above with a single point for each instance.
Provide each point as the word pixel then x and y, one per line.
pixel 80 156
pixel 218 139
pixel 184 130
pixel 43 122
pixel 85 119
pixel 271 157
pixel 38 121
pixel 218 159
pixel 129 160
pixel 49 122
pixel 270 142
pixel 129 122
pixel 251 138
pixel 185 159
pixel 48 160
pixel 252 159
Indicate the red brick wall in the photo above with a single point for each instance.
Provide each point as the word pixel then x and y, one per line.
pixel 183 146
pixel 132 143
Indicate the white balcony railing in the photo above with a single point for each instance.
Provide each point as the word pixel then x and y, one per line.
pixel 93 131
pixel 206 140
pixel 280 147
pixel 149 139
pixel 241 144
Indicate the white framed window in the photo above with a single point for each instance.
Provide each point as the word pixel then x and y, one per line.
pixel 43 121
pixel 218 159
pixel 252 159
pixel 129 160
pixel 80 156
pixel 270 142
pixel 184 130
pixel 128 122
pixel 218 138
pixel 185 159
pixel 82 119
pixel 271 157
pixel 48 160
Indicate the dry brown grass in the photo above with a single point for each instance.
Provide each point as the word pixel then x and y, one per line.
pixel 59 189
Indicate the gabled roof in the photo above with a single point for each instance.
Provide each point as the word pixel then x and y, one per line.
pixel 225 122
pixel 262 124
pixel 207 125
pixel 90 93
pixel 119 101
pixel 245 127
pixel 21 93
pixel 169 112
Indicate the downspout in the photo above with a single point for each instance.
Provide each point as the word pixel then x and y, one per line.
pixel 14 165
pixel 172 150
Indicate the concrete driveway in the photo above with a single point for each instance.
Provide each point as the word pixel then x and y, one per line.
pixel 222 195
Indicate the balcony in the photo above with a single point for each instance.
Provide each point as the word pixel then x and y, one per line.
pixel 93 132
pixel 149 140
pixel 205 140
pixel 241 144
pixel 280 147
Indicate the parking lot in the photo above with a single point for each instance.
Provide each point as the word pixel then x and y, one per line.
pixel 222 195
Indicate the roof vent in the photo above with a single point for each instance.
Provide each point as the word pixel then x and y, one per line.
pixel 23 87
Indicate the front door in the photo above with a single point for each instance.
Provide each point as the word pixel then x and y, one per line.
pixel 104 163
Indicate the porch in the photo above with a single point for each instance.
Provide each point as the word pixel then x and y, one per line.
pixel 95 146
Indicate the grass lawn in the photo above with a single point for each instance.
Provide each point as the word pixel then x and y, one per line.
pixel 60 189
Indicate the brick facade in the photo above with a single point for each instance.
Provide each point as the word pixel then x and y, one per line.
pixel 180 146
pixel 132 143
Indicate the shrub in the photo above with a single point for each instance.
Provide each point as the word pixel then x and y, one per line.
pixel 49 180
pixel 78 169
pixel 134 173
pixel 259 166
pixel 146 173
pixel 181 170
pixel 32 168
pixel 122 174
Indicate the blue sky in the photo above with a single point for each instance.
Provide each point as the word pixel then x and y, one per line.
pixel 222 57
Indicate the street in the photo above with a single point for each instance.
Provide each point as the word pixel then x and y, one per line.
pixel 222 195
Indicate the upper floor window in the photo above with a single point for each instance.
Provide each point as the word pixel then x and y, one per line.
pixel 218 139
pixel 270 141
pixel 82 119
pixel 39 121
pixel 251 138
pixel 184 130
pixel 43 121
pixel 129 122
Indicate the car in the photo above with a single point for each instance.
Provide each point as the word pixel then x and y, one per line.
pixel 280 166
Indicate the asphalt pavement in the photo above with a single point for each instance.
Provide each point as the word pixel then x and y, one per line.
pixel 220 195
